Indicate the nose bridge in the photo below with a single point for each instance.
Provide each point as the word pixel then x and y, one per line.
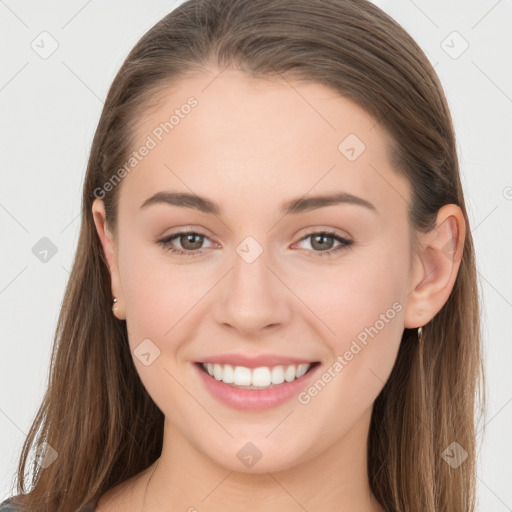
pixel 253 297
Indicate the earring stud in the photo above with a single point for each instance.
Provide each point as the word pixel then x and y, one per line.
pixel 114 309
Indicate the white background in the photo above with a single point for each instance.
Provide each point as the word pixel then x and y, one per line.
pixel 49 111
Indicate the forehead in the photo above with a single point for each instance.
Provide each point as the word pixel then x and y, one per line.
pixel 221 132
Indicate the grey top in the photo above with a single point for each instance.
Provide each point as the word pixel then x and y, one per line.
pixel 6 506
pixel 9 505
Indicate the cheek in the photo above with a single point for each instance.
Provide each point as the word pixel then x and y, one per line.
pixel 363 306
pixel 363 285
pixel 151 287
pixel 364 309
pixel 163 300
pixel 159 300
pixel 150 293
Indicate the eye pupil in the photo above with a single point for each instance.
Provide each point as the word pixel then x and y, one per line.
pixel 189 237
pixel 322 244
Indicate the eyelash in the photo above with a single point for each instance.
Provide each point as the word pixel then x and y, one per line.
pixel 345 244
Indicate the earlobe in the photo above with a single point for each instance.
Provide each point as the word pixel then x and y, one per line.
pixel 436 266
pixel 109 250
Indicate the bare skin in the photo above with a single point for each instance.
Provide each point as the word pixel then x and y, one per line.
pixel 250 145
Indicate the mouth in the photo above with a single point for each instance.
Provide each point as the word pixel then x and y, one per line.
pixel 260 378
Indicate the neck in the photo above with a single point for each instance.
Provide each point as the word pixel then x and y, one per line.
pixel 336 480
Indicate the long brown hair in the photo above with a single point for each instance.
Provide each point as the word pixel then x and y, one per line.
pixel 97 415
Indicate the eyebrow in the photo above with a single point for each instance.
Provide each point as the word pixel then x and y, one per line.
pixel 294 206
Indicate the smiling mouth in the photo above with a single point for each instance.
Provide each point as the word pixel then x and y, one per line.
pixel 263 377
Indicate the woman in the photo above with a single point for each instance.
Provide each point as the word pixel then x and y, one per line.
pixel 273 304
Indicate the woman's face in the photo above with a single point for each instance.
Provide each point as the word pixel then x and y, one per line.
pixel 257 279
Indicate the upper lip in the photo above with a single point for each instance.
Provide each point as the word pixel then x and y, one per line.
pixel 254 361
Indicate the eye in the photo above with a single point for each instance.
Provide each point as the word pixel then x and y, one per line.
pixel 320 240
pixel 192 241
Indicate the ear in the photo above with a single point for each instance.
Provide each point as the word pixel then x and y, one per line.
pixel 436 266
pixel 110 250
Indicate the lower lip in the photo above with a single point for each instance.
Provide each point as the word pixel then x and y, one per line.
pixel 254 399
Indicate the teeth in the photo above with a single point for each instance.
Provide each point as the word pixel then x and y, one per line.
pixel 217 371
pixel 228 374
pixel 302 369
pixel 289 373
pixel 262 377
pixel 242 376
pixel 277 375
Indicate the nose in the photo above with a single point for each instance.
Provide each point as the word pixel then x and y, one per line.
pixel 253 298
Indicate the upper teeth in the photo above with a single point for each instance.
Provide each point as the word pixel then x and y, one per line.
pixel 263 376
